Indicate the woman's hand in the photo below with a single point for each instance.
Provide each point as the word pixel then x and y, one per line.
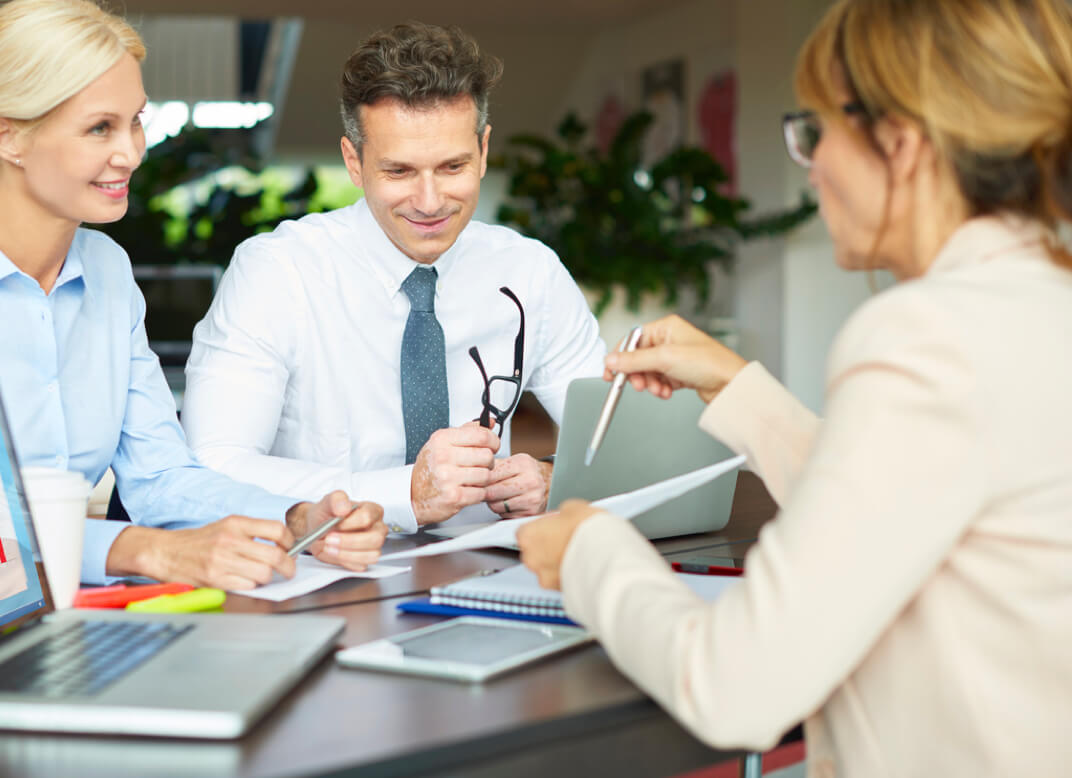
pixel 227 554
pixel 355 542
pixel 543 542
pixel 671 355
pixel 231 553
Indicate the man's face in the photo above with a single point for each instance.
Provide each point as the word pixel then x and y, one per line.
pixel 421 170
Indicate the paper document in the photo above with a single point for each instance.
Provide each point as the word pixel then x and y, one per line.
pixel 312 574
pixel 628 505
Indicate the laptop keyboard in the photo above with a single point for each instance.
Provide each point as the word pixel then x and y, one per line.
pixel 85 657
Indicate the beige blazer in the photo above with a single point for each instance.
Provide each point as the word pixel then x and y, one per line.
pixel 913 598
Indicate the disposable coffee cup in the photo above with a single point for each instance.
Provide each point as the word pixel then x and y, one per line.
pixel 58 500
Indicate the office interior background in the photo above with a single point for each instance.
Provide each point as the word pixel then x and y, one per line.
pixel 720 67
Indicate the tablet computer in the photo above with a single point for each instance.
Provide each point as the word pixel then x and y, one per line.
pixel 469 648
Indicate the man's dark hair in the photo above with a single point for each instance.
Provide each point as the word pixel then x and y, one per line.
pixel 419 65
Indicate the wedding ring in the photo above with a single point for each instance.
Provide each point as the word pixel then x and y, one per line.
pixel 506 507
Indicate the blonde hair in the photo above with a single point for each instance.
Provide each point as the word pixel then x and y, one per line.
pixel 989 82
pixel 52 49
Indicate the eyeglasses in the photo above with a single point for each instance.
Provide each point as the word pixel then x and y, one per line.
pixel 803 131
pixel 491 412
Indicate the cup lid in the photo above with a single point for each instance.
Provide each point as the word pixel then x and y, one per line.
pixel 52 483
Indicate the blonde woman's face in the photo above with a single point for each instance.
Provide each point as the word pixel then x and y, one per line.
pixel 850 177
pixel 78 162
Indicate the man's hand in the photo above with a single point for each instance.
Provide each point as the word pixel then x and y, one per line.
pixel 225 554
pixel 543 542
pixel 356 540
pixel 451 471
pixel 518 486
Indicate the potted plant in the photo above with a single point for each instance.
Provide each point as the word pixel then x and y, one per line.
pixel 616 225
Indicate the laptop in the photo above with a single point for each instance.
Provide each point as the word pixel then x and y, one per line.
pixel 649 440
pixel 208 675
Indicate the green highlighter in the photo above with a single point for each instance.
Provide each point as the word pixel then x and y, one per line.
pixel 188 602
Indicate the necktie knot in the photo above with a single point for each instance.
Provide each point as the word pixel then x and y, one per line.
pixel 419 287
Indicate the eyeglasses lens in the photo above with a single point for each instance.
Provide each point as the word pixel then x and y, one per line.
pixel 801 137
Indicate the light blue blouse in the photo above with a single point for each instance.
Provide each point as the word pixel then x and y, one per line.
pixel 84 392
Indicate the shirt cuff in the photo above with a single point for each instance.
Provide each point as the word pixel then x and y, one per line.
pixel 96 543
pixel 391 489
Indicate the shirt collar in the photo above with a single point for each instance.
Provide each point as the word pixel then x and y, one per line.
pixel 982 239
pixel 72 266
pixel 391 266
pixel 7 267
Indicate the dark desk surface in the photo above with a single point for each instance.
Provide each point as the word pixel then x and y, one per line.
pixel 572 714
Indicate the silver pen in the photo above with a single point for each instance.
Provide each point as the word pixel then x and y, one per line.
pixel 613 395
pixel 314 536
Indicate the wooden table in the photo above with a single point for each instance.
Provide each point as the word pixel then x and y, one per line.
pixel 570 715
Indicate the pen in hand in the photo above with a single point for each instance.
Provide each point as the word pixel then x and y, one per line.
pixel 615 392
pixel 315 535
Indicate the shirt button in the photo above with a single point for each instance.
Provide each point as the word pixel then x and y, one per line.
pixel 59 461
pixel 52 386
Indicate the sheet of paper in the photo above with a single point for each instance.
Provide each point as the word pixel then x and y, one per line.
pixel 634 503
pixel 500 533
pixel 627 505
pixel 312 574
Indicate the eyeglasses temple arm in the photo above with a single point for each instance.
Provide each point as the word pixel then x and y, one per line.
pixel 519 341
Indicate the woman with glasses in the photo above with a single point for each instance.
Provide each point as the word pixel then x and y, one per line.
pixel 82 390
pixel 912 600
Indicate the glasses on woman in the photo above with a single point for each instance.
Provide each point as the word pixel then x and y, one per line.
pixel 803 131
pixel 500 384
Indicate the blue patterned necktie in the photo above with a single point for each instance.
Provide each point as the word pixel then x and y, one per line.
pixel 425 402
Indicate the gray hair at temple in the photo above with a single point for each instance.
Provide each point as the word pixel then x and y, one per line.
pixel 420 65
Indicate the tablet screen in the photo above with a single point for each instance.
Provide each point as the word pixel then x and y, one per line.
pixel 475 644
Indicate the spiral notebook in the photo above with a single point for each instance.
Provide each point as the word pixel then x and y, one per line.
pixel 513 590
pixel 516 590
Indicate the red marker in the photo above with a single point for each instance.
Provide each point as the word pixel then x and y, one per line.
pixel 120 595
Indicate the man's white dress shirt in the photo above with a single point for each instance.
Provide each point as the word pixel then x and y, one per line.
pixel 294 383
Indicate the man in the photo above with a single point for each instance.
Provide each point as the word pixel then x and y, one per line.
pixel 337 351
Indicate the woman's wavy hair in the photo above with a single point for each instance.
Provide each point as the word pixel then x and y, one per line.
pixel 989 81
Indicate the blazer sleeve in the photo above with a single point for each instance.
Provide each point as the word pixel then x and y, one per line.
pixel 756 416
pixel 893 480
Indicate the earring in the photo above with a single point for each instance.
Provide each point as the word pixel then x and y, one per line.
pixel 18 162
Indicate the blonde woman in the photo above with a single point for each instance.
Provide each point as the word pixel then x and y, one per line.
pixel 912 600
pixel 82 389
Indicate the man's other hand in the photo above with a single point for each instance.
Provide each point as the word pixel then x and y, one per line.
pixel 518 486
pixel 452 470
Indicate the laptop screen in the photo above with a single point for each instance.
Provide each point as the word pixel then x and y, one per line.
pixel 21 589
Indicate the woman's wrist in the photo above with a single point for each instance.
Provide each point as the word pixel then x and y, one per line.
pixel 735 364
pixel 137 551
